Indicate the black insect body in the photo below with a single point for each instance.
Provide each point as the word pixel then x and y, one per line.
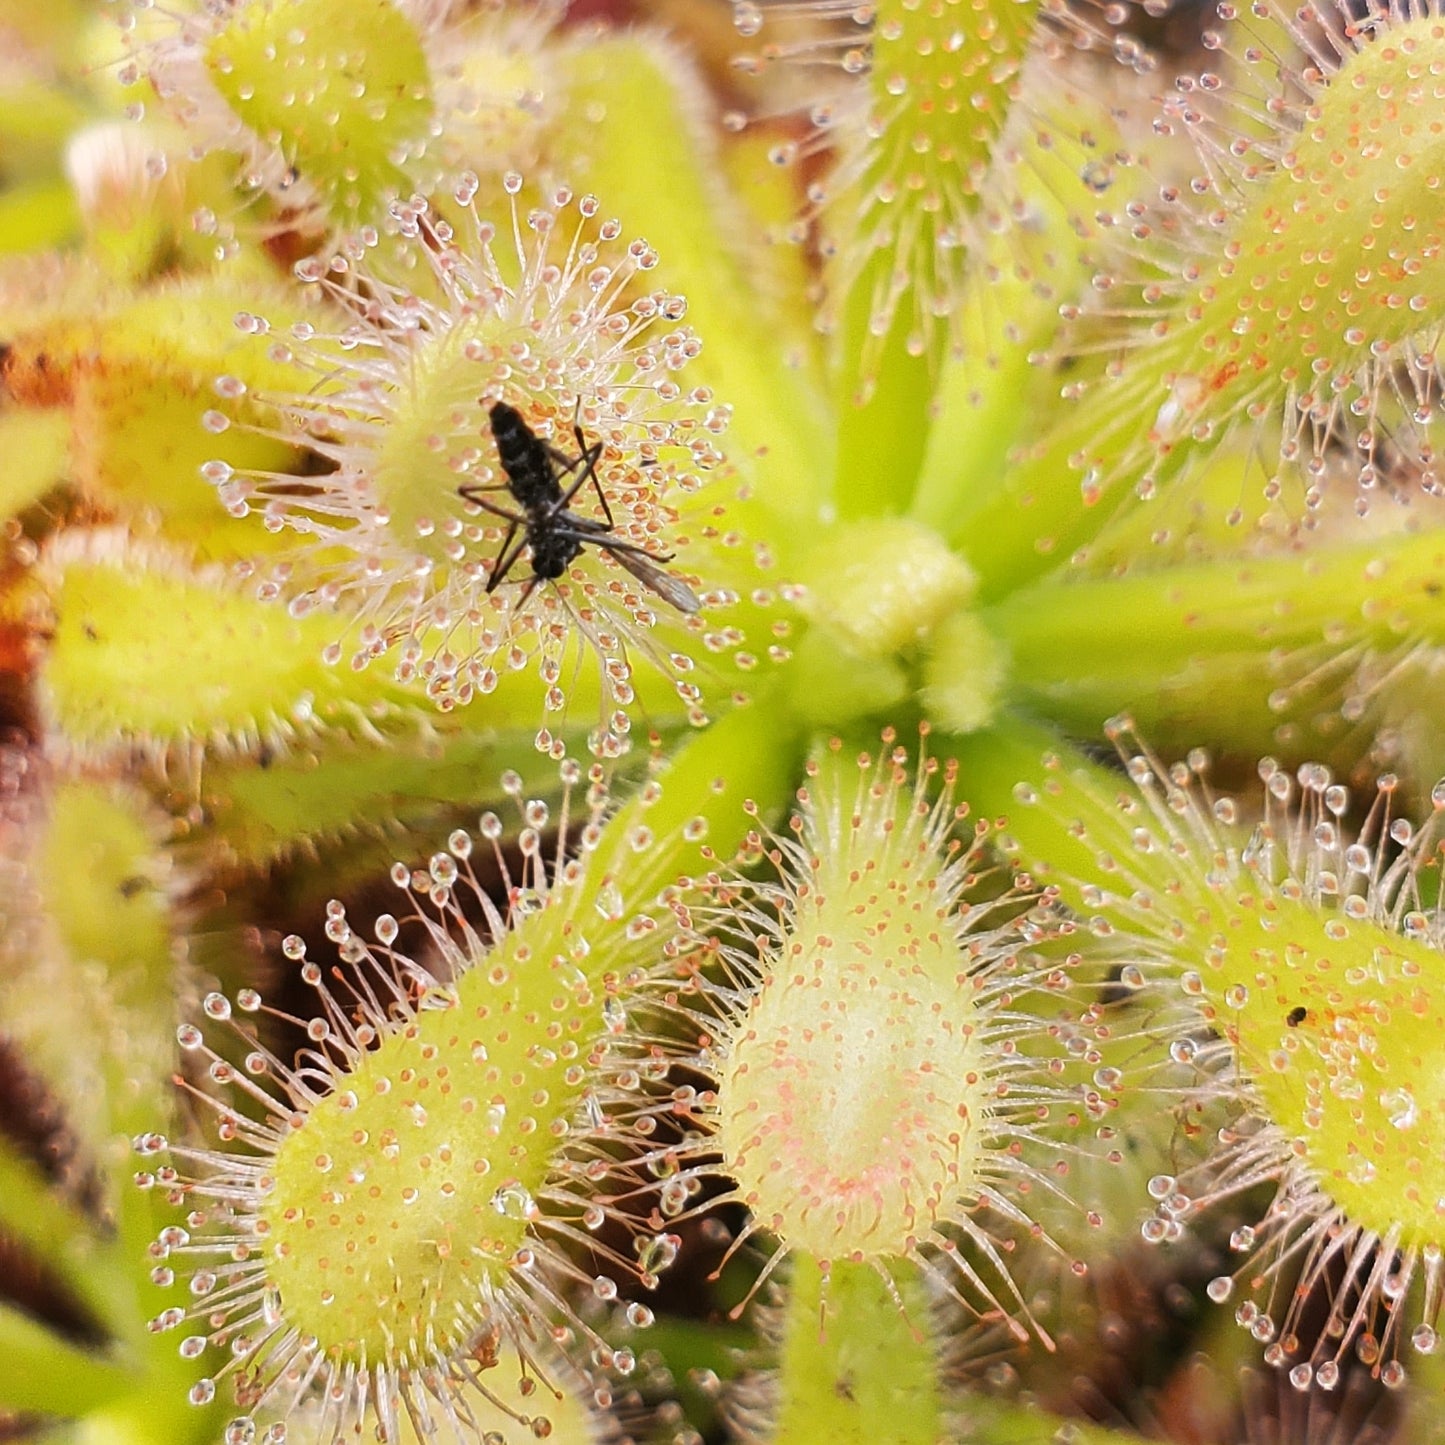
pixel 553 533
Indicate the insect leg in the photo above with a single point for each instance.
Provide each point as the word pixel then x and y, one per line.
pixel 472 493
pixel 588 462
pixel 586 458
pixel 528 588
pixel 590 456
pixel 506 560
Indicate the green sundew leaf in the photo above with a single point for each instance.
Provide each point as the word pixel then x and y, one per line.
pixel 884 415
pixel 1224 644
pixel 189 330
pixel 1221 510
pixel 367 98
pixel 630 136
pixel 146 653
pixel 35 446
pixel 140 447
pixel 1041 794
pixel 104 882
pixel 1299 303
pixel 340 786
pixel 1288 331
pixel 32 1214
pixel 1049 498
pixel 978 404
pixel 941 86
pixel 768 192
pixel 991 392
pixel 143 374
pixel 695 816
pixel 853 1368
pixel 1346 980
pixel 37 215
pixel 1045 509
pixel 88 1002
pixel 406 470
pixel 1061 489
pixel 1244 703
pixel 46 1375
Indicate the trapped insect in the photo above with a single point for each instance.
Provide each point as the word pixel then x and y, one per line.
pixel 553 533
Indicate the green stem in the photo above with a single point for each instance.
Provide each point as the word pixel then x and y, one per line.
pixel 1051 805
pixel 1220 642
pixel 754 755
pixel 33 1216
pixel 46 1375
pixel 1039 516
pixel 978 420
pixel 858 1362
pixel 991 387
pixel 325 792
pixel 885 394
pixel 642 146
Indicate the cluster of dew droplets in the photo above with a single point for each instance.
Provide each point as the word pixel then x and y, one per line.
pixel 384 995
pixel 230 1279
pixel 1299 308
pixel 548 315
pixel 1302 1043
pixel 865 912
pixel 891 147
pixel 908 110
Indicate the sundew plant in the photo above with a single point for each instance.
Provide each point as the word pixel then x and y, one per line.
pixel 721 724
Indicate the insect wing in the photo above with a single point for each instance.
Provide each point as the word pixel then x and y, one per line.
pixel 671 589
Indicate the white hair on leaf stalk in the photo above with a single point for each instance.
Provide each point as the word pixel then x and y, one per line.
pixel 1284 299
pixel 912 119
pixel 396 98
pixel 1306 959
pixel 547 312
pixel 412 1194
pixel 881 1086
